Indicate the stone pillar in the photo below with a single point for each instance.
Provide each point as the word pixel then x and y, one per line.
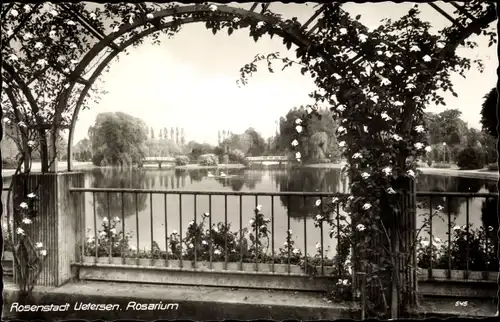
pixel 59 223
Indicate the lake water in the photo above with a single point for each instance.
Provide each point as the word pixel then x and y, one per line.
pixel 151 214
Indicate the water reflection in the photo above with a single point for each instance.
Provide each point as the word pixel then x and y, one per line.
pixel 308 180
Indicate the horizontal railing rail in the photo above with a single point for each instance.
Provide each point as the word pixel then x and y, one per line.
pixel 210 192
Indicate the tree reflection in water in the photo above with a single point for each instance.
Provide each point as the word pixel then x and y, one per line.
pixel 240 178
pixel 306 180
pixel 118 178
pixel 432 183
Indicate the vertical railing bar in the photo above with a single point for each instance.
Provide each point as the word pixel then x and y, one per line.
pixel 486 243
pixel 467 219
pixel 272 233
pixel 257 249
pixel 288 231
pixel 321 240
pixel 110 237
pixel 225 234
pixel 338 238
pixel 96 238
pixel 123 227
pixel 241 232
pixel 431 241
pixel 196 225
pixel 305 236
pixel 210 230
pixel 137 226
pixel 166 227
pixel 151 219
pixel 448 201
pixel 180 229
pixel 83 228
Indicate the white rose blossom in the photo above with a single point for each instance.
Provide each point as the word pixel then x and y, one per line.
pixel 298 128
pixel 360 227
pixel 390 191
pixel 318 202
pixel 385 117
pixel 414 48
pixel 419 128
pixel 295 143
pixel 342 144
pixel 367 206
pixel 418 145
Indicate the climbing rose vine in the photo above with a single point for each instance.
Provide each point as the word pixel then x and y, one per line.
pixel 378 83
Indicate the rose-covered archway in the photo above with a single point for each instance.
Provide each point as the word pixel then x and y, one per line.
pixel 376 81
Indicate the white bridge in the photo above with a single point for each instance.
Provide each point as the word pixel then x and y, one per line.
pixel 158 160
pixel 267 159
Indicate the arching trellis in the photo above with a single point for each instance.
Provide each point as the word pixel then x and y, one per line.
pixel 290 29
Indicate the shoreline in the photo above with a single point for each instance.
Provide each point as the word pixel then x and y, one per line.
pixel 473 174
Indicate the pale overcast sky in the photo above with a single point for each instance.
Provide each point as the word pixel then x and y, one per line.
pixel 189 81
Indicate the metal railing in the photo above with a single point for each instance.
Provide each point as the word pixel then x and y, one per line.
pixel 466 247
pixel 469 243
pixel 251 249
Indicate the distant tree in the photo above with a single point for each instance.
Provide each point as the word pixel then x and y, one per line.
pixel 183 137
pixel 118 139
pixel 196 149
pixel 219 138
pixel 446 126
pixel 152 133
pixel 160 135
pixel 317 142
pixel 165 133
pixel 257 142
pixel 489 113
pixel 472 137
pixel 172 134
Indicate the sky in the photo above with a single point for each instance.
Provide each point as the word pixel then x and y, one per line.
pixel 189 81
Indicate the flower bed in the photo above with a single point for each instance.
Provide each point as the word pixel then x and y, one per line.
pixel 203 245
pixel 472 249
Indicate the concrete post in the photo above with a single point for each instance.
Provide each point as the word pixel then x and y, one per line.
pixel 59 223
